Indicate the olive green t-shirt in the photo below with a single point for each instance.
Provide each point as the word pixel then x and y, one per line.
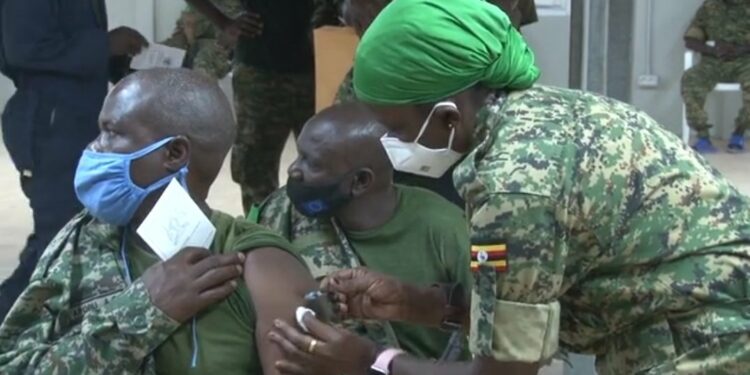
pixel 225 333
pixel 426 242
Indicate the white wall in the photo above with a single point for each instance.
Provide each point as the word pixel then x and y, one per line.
pixel 669 22
pixel 165 14
pixel 550 40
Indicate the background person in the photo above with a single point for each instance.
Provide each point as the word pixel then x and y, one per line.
pixel 60 60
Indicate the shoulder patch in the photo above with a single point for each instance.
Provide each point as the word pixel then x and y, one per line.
pixel 495 256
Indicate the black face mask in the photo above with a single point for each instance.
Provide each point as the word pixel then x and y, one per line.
pixel 316 201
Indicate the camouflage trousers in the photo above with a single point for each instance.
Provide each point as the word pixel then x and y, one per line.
pixel 269 107
pixel 700 80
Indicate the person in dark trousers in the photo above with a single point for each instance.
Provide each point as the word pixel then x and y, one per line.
pixel 59 60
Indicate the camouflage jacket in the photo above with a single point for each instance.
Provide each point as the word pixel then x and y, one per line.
pixel 720 21
pixel 321 247
pixel 195 33
pixel 592 223
pixel 345 94
pixel 79 315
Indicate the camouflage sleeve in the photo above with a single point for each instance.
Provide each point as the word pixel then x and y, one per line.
pixel 518 263
pixel 179 38
pixel 115 338
pixel 346 90
pixel 697 28
pixel 275 213
pixel 212 59
pixel 109 335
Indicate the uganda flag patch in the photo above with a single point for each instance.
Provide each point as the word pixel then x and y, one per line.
pixel 495 256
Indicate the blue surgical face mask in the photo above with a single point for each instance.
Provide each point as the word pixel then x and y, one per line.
pixel 104 186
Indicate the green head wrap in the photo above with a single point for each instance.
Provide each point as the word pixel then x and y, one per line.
pixel 422 51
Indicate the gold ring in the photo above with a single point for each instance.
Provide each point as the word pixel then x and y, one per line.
pixel 311 347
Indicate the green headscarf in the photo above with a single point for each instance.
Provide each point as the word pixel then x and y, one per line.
pixel 422 51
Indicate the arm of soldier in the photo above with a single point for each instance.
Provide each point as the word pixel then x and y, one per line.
pixel 695 37
pixel 115 336
pixel 34 40
pixel 213 13
pixel 179 37
pixel 515 315
pixel 277 282
pixel 213 60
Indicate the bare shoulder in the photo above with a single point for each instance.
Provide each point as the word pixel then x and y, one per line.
pixel 272 265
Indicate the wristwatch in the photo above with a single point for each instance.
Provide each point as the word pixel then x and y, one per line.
pixel 382 365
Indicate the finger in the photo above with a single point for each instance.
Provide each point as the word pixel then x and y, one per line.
pixel 291 352
pixel 286 367
pixel 346 274
pixel 337 297
pixel 211 296
pixel 192 254
pixel 341 309
pixel 143 40
pixel 251 22
pixel 367 308
pixel 351 280
pixel 250 15
pixel 218 276
pixel 250 31
pixel 217 261
pixel 292 334
pixel 319 329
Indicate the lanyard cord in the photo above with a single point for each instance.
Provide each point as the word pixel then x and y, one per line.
pixel 129 280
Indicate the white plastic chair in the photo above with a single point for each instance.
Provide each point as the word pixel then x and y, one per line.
pixel 722 87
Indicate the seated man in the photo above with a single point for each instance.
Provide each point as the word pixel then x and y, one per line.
pixel 341 210
pixel 359 14
pixel 727 24
pixel 101 302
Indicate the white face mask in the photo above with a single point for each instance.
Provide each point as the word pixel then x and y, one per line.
pixel 412 157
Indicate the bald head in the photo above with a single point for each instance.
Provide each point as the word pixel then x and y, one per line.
pixel 348 132
pixel 341 143
pixel 175 102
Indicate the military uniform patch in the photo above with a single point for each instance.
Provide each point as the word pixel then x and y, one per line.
pixel 495 256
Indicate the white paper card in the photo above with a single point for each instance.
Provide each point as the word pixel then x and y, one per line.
pixel 158 56
pixel 175 223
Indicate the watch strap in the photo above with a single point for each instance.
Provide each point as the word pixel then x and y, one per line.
pixel 384 360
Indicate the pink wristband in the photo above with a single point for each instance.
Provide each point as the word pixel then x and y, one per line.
pixel 383 361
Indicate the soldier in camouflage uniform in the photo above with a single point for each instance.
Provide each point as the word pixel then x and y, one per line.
pixel 274 88
pixel 209 50
pixel 102 302
pixel 726 24
pixel 593 229
pixel 331 241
